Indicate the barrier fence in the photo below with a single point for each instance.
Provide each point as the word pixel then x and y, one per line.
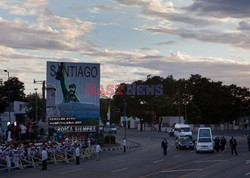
pixel 9 163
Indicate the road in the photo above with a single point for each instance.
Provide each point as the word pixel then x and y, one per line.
pixel 147 160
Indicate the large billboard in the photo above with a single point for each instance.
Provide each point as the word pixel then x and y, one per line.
pixel 68 95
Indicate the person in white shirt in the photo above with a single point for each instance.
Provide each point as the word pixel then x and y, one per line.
pixel 44 159
pixel 98 150
pixel 23 131
pixel 77 153
pixel 124 143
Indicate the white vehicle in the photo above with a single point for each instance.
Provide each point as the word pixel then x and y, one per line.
pixel 204 141
pixel 182 130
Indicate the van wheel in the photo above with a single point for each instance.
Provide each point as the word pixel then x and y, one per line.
pixel 197 151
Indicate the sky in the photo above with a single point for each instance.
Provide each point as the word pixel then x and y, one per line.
pixel 129 38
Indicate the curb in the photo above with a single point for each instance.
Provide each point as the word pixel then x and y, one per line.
pixel 115 149
pixel 121 148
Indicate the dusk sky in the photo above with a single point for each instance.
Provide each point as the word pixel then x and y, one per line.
pixel 129 38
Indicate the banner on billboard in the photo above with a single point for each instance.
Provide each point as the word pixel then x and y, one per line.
pixel 67 95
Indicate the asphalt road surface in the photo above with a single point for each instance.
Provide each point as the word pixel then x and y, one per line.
pixel 148 160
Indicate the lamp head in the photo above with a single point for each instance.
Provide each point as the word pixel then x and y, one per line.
pixel 5 71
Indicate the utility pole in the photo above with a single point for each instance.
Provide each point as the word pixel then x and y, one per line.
pixel 125 122
pixel 186 113
pixel 36 110
pixel 179 106
pixel 43 99
pixel 8 92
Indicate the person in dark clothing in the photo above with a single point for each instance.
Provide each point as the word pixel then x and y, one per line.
pixel 217 143
pixel 164 146
pixel 248 142
pixel 233 145
pixel 69 93
pixel 223 143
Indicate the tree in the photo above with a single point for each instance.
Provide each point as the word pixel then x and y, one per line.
pixel 3 101
pixel 207 102
pixel 16 90
pixel 31 99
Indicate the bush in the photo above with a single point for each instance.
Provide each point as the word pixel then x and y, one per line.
pixel 109 138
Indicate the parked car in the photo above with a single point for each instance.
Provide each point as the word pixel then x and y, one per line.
pixel 184 143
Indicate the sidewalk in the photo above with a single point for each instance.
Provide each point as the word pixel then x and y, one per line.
pixel 130 145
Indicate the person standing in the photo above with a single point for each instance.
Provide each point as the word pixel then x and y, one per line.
pixel 164 146
pixel 217 143
pixel 77 153
pixel 23 131
pixel 233 145
pixel 124 143
pixel 44 159
pixel 248 142
pixel 98 150
pixel 223 143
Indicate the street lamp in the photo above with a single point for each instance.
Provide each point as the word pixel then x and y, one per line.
pixel 186 113
pixel 36 112
pixel 179 106
pixel 125 122
pixel 43 95
pixel 8 92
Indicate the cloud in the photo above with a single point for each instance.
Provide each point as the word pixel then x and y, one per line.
pixel 244 26
pixel 235 39
pixel 25 8
pixel 131 64
pixel 165 43
pixel 26 66
pixel 157 9
pixel 221 8
pixel 20 34
pixel 99 8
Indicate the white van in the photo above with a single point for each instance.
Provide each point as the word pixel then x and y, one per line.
pixel 204 141
pixel 182 130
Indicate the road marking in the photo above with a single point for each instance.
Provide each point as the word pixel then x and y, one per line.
pixel 117 161
pixel 205 168
pixel 184 164
pixel 247 161
pixel 158 161
pixel 178 156
pixel 180 170
pixel 210 161
pixel 74 170
pixel 192 151
pixel 118 170
pixel 247 174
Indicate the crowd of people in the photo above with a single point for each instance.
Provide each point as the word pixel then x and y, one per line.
pixel 14 153
pixel 20 132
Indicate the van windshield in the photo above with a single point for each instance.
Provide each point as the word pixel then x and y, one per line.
pixel 204 133
pixel 185 129
pixel 204 140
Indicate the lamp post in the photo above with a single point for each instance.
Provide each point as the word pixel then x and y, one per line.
pixel 43 95
pixel 36 110
pixel 125 122
pixel 186 113
pixel 8 92
pixel 179 106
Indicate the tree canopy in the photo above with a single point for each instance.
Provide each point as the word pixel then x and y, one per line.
pixel 16 92
pixel 206 101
